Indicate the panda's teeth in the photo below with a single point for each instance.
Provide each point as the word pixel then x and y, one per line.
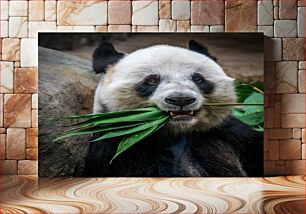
pixel 190 113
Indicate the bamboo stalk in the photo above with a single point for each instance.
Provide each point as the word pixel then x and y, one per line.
pixel 257 89
pixel 233 104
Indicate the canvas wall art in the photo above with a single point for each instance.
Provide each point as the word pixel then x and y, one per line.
pixel 151 104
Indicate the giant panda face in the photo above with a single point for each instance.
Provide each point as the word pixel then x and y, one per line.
pixel 177 80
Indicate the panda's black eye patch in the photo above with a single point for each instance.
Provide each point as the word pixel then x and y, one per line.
pixel 147 86
pixel 205 85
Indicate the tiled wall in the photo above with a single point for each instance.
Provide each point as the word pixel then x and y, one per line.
pixel 283 20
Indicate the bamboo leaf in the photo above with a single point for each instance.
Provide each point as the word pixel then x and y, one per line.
pixel 95 129
pixel 104 126
pixel 118 133
pixel 252 119
pixel 243 91
pixel 141 117
pixel 113 114
pixel 254 98
pixel 259 129
pixel 252 113
pixel 128 141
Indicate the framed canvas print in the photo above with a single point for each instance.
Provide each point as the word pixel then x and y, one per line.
pixel 151 104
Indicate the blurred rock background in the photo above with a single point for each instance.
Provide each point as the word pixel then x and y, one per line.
pixel 240 55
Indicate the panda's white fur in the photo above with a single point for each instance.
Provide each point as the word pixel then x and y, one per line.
pixel 175 65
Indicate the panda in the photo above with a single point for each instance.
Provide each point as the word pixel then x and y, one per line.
pixel 198 140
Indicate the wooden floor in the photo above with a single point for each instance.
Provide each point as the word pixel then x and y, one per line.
pixel 139 195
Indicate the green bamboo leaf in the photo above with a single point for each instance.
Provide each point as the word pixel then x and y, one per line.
pixel 237 113
pixel 128 141
pixel 250 95
pixel 72 134
pixel 141 117
pixel 252 119
pixel 102 126
pixel 260 129
pixel 258 85
pixel 254 98
pixel 76 128
pixel 243 91
pixel 95 129
pixel 113 114
pixel 118 133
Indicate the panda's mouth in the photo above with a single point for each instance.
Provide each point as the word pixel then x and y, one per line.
pixel 181 114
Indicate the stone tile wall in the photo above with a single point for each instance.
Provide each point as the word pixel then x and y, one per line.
pixel 282 20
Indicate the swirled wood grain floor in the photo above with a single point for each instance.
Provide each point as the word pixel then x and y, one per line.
pixel 139 195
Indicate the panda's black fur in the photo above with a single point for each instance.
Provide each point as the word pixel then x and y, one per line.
pixel 235 152
pixel 230 149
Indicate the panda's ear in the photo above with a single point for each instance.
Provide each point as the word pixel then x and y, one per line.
pixel 105 55
pixel 200 48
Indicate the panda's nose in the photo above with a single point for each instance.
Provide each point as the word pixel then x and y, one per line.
pixel 180 100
